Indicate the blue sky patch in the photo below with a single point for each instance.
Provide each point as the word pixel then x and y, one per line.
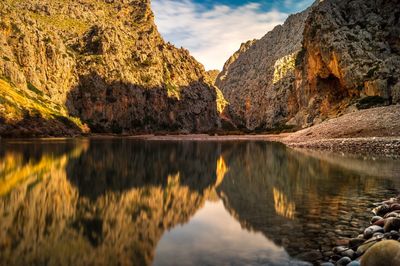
pixel 213 30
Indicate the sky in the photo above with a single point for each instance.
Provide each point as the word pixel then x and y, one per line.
pixel 213 30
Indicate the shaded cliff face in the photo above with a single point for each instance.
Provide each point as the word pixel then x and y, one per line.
pixel 104 62
pixel 318 65
pixel 257 81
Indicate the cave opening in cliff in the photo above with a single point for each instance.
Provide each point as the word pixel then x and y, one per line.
pixel 331 88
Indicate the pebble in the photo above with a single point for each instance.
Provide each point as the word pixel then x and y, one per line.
pixel 392 214
pixel 394 235
pixel 380 222
pixel 370 231
pixel 384 228
pixel 354 263
pixel 394 207
pixel 328 254
pixel 354 243
pixel 391 224
pixel 342 242
pixel 343 261
pixel 390 201
pixel 375 219
pixel 339 249
pixel 348 253
pixel 379 234
pixel 363 248
pixel 381 210
pixel 327 264
pixel 312 255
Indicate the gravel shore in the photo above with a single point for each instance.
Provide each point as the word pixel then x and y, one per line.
pixel 374 131
pixel 389 147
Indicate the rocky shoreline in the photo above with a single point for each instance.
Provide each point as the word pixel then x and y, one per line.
pixel 382 146
pixel 372 146
pixel 378 244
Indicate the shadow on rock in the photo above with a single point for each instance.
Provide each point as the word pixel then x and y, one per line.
pixel 119 107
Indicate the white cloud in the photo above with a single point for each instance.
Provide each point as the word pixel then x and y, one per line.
pixel 212 35
pixel 297 4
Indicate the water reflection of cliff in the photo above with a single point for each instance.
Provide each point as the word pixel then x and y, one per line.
pixel 107 205
pixel 108 202
pixel 296 199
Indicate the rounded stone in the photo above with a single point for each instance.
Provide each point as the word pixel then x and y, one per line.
pixel 370 231
pixel 386 253
pixel 378 234
pixel 391 214
pixel 354 243
pixel 391 224
pixel 381 210
pixel 394 234
pixel 395 207
pixel 364 247
pixel 354 263
pixel 348 253
pixel 339 249
pixel 343 261
pixel 380 222
pixel 375 219
pixel 327 264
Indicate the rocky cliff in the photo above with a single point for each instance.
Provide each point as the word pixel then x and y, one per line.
pixel 333 58
pixel 102 61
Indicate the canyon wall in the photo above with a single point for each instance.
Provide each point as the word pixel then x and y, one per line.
pixel 335 57
pixel 101 62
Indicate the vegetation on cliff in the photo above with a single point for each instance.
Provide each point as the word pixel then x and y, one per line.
pixel 104 62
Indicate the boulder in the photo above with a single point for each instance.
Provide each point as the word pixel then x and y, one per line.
pixel 385 253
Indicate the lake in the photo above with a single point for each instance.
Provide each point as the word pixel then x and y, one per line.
pixel 133 202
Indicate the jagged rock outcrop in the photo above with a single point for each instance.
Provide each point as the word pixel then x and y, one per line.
pixel 212 75
pixel 104 62
pixel 317 65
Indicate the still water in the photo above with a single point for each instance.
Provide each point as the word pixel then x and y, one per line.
pixel 130 202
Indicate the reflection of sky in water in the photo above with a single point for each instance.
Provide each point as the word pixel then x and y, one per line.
pixel 214 237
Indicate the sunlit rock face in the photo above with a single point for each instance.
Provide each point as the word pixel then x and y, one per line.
pixel 104 62
pixel 315 66
pixel 351 50
pixel 55 212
